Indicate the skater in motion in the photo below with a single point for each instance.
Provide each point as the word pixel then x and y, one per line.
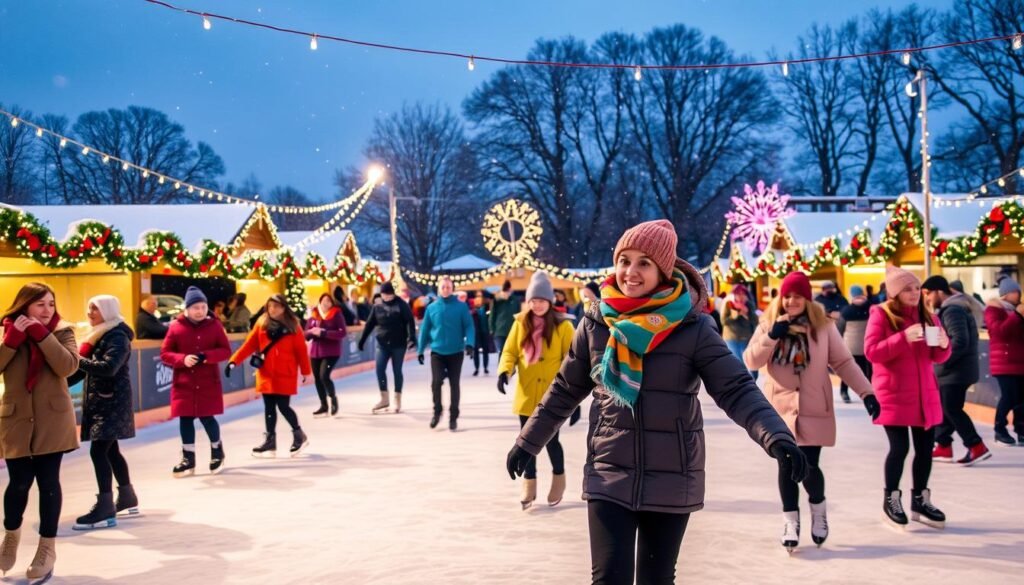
pixel 278 352
pixel 644 352
pixel 396 330
pixel 537 343
pixel 325 329
pixel 195 344
pixel 794 346
pixel 903 342
pixel 447 329
pixel 1004 318
pixel 37 419
pixel 107 415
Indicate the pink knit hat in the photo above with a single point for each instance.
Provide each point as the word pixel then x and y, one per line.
pixel 657 239
pixel 897 279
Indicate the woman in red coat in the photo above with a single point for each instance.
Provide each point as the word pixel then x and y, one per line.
pixel 904 341
pixel 278 345
pixel 1004 318
pixel 194 345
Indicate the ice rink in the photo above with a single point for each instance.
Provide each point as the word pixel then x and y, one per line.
pixel 385 500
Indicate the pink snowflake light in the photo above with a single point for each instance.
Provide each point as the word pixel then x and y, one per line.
pixel 756 214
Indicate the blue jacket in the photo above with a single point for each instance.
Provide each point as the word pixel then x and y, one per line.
pixel 447 327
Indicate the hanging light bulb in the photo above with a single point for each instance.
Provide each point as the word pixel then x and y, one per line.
pixel 1018 41
pixel 39 132
pixel 1002 182
pixel 471 64
pixel 906 58
pixel 911 92
pixel 63 142
pixel 984 189
pixel 106 159
pixel 85 151
pixel 124 167
pixel 785 69
pixel 177 185
pixel 638 73
pixel 312 43
pixel 14 122
pixel 145 174
pixel 161 180
pixel 207 25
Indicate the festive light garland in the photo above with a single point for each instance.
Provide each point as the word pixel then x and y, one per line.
pixel 1016 40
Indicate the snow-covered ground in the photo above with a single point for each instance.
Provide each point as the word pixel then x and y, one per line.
pixel 384 500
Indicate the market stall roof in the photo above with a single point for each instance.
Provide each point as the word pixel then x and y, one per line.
pixel 328 248
pixel 466 262
pixel 811 226
pixel 951 221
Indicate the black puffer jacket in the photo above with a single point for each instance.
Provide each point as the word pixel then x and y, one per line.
pixel 394 323
pixel 962 366
pixel 107 393
pixel 652 458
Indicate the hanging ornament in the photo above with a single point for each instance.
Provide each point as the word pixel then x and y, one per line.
pixel 756 215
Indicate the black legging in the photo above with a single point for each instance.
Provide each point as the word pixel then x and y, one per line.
pixel 108 463
pixel 322 377
pixel 187 428
pixel 899 447
pixel 814 484
pixel 555 452
pixel 621 539
pixel 479 352
pixel 45 471
pixel 273 403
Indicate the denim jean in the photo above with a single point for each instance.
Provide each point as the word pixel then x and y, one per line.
pixel 397 357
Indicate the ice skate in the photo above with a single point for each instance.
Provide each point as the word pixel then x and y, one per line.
pixel 268 448
pixel 398 402
pixel 334 406
pixel 9 549
pixel 529 493
pixel 127 503
pixel 922 510
pixel 321 412
pixel 819 524
pixel 216 459
pixel 557 489
pixel 892 508
pixel 187 465
pixel 299 441
pixel 383 405
pixel 41 568
pixel 791 531
pixel 435 419
pixel 102 515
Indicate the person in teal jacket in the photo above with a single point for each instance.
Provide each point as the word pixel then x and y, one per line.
pixel 447 329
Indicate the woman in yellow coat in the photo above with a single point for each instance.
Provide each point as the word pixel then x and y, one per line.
pixel 539 339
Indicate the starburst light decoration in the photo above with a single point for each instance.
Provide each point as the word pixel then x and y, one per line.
pixel 756 214
pixel 512 231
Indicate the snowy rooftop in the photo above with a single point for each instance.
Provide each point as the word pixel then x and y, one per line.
pixel 812 226
pixel 328 248
pixel 467 262
pixel 955 221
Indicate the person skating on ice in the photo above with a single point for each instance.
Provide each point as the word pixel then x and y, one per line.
pixel 447 330
pixel 854 320
pixel 1004 318
pixel 107 414
pixel 325 331
pixel 196 342
pixel 536 344
pixel 643 352
pixel 795 346
pixel 395 328
pixel 37 419
pixel 278 351
pixel 904 341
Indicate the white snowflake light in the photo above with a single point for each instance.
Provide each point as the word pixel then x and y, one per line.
pixel 756 214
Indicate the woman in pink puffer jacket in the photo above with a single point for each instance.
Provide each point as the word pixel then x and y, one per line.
pixel 904 381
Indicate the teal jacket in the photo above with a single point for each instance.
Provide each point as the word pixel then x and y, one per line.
pixel 447 327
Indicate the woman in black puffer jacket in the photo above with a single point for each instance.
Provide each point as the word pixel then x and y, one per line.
pixel 107 414
pixel 648 346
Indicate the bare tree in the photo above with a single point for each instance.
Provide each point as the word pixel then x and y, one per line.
pixel 16 155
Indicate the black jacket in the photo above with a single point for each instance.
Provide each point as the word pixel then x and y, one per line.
pixel 148 326
pixel 962 366
pixel 394 323
pixel 107 412
pixel 832 303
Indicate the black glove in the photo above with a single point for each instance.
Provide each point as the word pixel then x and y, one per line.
pixel 575 416
pixel 202 358
pixel 420 358
pixel 227 369
pixel 469 351
pixel 779 328
pixel 790 458
pixel 516 461
pixel 502 380
pixel 872 406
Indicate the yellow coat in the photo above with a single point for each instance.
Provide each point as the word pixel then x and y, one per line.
pixel 535 379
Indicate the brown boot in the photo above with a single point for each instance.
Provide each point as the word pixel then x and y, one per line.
pixel 529 492
pixel 9 549
pixel 398 402
pixel 42 565
pixel 557 490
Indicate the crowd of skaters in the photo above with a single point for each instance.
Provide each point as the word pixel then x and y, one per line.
pixel 641 343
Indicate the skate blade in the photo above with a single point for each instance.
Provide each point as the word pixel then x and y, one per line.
pixel 265 455
pixel 928 521
pixel 901 528
pixel 555 503
pixel 299 450
pixel 324 415
pixel 129 513
pixel 526 505
pixel 380 410
pixel 218 470
pixel 41 580
pixel 181 474
pixel 108 523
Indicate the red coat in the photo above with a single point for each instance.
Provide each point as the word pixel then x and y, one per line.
pixel 1006 341
pixel 196 391
pixel 903 376
pixel 282 364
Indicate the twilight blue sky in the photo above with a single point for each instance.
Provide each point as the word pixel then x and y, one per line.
pixel 269 105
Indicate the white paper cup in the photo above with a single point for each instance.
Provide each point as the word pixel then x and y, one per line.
pixel 931 336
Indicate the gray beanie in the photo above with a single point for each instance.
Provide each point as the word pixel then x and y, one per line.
pixel 540 288
pixel 193 295
pixel 1007 286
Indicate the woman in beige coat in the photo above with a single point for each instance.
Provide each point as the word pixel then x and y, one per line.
pixel 37 419
pixel 795 345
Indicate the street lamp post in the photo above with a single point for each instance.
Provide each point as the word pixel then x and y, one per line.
pixel 926 189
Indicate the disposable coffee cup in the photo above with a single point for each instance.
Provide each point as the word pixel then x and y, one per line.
pixel 931 336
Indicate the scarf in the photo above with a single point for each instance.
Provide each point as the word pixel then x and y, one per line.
pixel 638 326
pixel 793 348
pixel 535 343
pixel 97 333
pixel 36 359
pixel 330 314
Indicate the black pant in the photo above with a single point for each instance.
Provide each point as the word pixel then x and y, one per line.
pixel 555 452
pixel 479 352
pixel 273 403
pixel 615 547
pixel 954 418
pixel 899 447
pixel 322 377
pixel 187 427
pixel 45 471
pixel 865 367
pixel 1011 399
pixel 814 484
pixel 396 356
pixel 108 463
pixel 441 367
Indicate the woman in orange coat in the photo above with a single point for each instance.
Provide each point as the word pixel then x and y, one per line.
pixel 278 350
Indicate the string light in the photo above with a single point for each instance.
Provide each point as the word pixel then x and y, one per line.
pixel 906 58
pixel 638 73
pixel 14 122
pixel 39 132
pixel 785 69
pixel 1018 41
pixel 312 43
pixel 63 142
pixel 85 151
pixel 471 64
pixel 207 25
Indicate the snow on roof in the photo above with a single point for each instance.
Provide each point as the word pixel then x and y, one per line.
pixel 193 223
pixel 466 262
pixel 808 227
pixel 327 248
pixel 954 221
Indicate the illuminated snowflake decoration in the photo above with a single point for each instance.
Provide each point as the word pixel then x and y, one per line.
pixel 756 214
pixel 512 231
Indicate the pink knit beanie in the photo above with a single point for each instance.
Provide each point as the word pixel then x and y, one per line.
pixel 657 239
pixel 897 279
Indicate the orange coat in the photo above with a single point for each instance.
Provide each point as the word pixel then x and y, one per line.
pixel 282 364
